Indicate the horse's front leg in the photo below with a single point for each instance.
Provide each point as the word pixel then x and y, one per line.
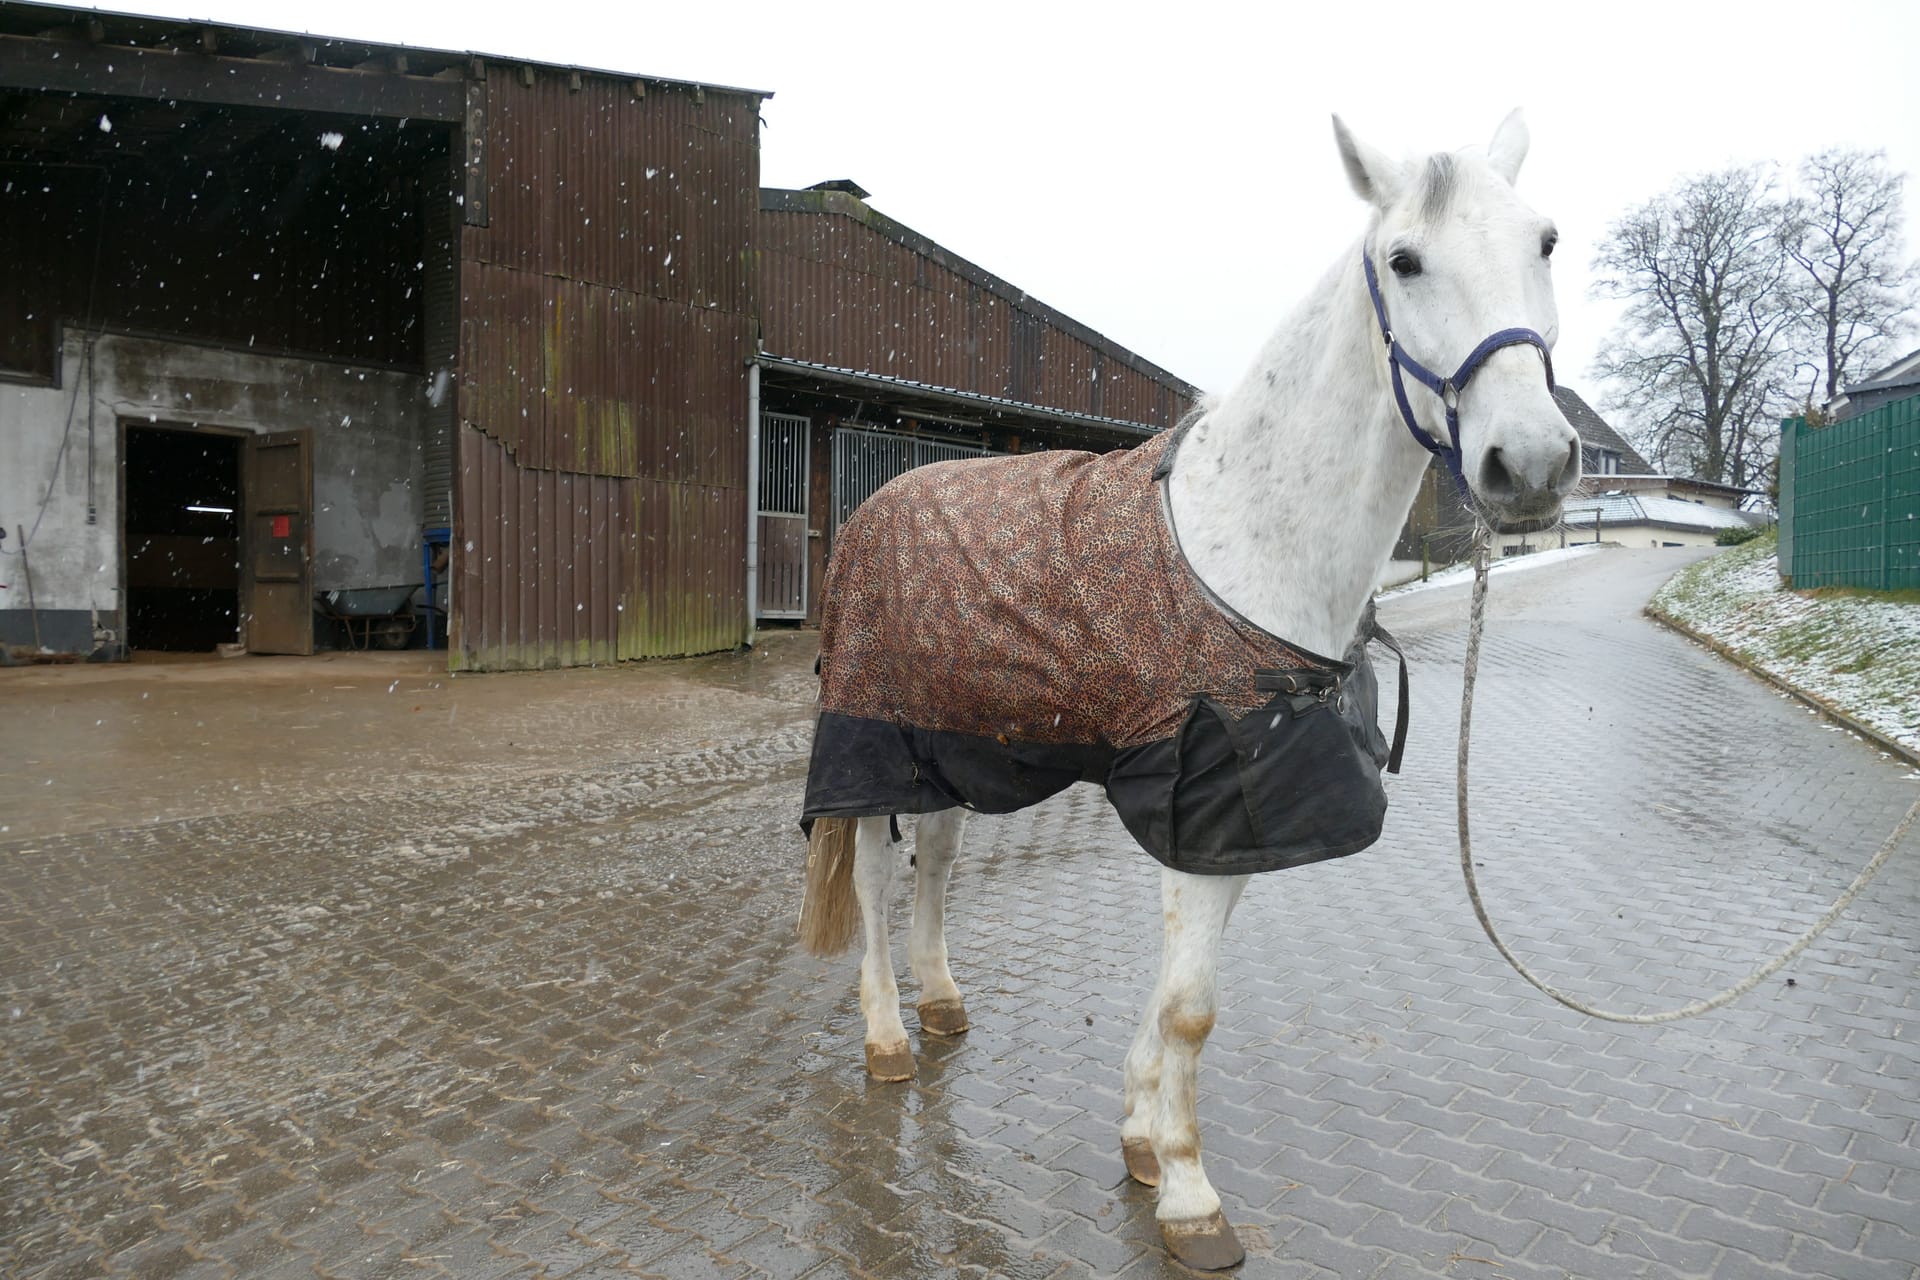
pixel 1143 1089
pixel 888 1057
pixel 1143 1076
pixel 1195 909
pixel 936 843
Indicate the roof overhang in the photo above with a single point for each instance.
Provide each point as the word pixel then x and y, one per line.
pixel 64 49
pixel 944 404
pixel 1631 480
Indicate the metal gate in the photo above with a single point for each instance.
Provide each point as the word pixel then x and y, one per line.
pixel 783 516
pixel 865 460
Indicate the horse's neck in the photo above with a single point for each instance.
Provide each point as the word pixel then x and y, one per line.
pixel 1287 494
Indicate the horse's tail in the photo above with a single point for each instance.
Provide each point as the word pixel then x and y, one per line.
pixel 829 912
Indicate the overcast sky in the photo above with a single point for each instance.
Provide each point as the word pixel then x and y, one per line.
pixel 1166 173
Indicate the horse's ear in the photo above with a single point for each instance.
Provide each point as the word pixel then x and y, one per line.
pixel 1375 178
pixel 1509 146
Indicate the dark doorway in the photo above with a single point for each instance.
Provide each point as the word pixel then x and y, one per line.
pixel 182 504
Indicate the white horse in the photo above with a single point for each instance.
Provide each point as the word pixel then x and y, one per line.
pixel 1285 497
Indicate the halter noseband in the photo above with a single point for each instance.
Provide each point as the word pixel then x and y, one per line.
pixel 1448 389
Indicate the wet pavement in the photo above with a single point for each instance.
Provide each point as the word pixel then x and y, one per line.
pixel 348 968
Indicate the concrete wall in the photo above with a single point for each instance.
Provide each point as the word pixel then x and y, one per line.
pixel 368 436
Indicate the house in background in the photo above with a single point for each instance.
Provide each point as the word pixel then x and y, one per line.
pixel 1623 500
pixel 1440 527
pixel 1632 504
pixel 1655 516
pixel 1604 452
pixel 1883 386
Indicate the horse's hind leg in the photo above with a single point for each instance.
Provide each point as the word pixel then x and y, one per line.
pixel 888 1057
pixel 1195 909
pixel 936 844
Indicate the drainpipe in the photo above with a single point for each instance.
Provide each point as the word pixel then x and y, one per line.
pixel 753 497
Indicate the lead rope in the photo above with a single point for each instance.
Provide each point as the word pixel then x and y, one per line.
pixel 1732 993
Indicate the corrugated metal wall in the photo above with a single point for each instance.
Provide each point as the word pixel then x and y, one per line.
pixel 854 290
pixel 607 315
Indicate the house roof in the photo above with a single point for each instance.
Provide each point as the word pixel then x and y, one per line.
pixel 1596 434
pixel 1670 513
pixel 1656 480
pixel 1904 370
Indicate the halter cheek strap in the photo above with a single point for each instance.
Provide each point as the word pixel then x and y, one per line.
pixel 1448 389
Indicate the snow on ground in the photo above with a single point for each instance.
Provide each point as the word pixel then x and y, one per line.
pixel 1463 573
pixel 1859 653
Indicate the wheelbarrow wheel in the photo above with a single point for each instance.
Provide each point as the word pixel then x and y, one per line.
pixel 392 633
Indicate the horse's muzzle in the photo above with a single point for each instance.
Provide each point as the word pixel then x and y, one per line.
pixel 1527 486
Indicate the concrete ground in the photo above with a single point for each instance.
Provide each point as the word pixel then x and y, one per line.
pixel 344 967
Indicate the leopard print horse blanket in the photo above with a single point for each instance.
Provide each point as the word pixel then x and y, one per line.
pixel 997 629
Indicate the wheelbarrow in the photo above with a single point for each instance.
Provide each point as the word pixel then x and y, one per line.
pixel 373 617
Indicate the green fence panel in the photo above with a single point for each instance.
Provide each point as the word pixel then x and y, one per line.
pixel 1903 494
pixel 1789 449
pixel 1855 504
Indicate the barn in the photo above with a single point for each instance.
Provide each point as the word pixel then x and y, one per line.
pixel 882 351
pixel 314 341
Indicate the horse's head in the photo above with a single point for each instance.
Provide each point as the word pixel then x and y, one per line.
pixel 1464 297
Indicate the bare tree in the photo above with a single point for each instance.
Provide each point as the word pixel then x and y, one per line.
pixel 1699 365
pixel 1843 230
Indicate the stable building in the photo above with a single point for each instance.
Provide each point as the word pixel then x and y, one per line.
pixel 312 340
pixel 313 326
pixel 919 356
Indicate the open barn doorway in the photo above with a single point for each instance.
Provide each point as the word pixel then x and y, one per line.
pixel 182 537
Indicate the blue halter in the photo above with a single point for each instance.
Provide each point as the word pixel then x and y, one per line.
pixel 1448 389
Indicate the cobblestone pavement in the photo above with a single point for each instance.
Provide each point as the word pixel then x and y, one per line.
pixel 426 1006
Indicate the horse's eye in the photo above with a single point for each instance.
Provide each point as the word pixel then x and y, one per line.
pixel 1547 242
pixel 1404 264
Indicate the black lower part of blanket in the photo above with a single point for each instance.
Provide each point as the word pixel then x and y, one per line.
pixel 1294 782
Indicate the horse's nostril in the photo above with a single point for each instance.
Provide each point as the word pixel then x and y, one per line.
pixel 1496 481
pixel 1569 472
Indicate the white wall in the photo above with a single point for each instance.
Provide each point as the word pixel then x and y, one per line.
pixel 367 435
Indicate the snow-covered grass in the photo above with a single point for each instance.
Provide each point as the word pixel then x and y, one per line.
pixel 1857 651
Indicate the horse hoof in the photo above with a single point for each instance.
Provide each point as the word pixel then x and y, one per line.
pixel 891 1063
pixel 1205 1244
pixel 1142 1165
pixel 943 1017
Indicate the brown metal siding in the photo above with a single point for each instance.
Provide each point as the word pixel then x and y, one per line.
pixel 606 323
pixel 691 543
pixel 575 569
pixel 542 580
pixel 836 291
pixel 655 195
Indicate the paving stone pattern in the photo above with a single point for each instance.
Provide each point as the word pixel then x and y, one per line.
pixel 552 1023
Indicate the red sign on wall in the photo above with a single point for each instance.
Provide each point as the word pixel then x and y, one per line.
pixel 282 527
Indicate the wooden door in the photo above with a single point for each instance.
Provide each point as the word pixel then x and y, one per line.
pixel 278 558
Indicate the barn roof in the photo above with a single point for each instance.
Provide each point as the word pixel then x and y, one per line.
pixel 121 47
